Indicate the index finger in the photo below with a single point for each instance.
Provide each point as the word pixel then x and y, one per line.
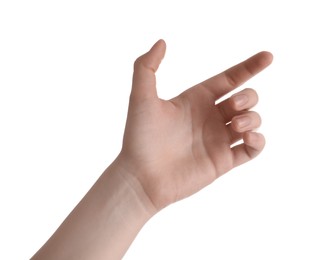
pixel 235 76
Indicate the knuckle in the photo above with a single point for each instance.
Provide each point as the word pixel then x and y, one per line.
pixel 231 79
pixel 138 62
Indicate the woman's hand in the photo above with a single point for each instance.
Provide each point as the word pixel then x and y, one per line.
pixel 173 148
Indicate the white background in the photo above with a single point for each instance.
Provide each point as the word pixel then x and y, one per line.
pixel 65 77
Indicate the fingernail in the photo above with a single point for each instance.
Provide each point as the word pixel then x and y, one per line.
pixel 243 121
pixel 240 100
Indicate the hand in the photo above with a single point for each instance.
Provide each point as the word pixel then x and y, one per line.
pixel 173 148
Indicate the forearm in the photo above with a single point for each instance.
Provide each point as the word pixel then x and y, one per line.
pixel 104 223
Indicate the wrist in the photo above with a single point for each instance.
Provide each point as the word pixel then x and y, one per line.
pixel 125 178
pixel 153 182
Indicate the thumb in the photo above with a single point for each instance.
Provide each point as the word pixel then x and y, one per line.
pixel 145 67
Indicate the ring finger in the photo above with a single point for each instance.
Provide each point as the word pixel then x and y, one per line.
pixel 247 121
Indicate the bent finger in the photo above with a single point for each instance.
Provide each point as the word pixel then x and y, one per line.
pixel 253 144
pixel 243 100
pixel 246 121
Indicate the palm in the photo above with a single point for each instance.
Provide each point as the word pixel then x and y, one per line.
pixel 211 142
pixel 182 145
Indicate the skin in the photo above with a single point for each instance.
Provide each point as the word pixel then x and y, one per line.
pixel 171 149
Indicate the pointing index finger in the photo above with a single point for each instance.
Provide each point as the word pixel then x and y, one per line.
pixel 235 76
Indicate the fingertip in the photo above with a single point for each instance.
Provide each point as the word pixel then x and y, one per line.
pixel 246 122
pixel 254 140
pixel 252 146
pixel 161 42
pixel 245 99
pixel 266 58
pixel 160 46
